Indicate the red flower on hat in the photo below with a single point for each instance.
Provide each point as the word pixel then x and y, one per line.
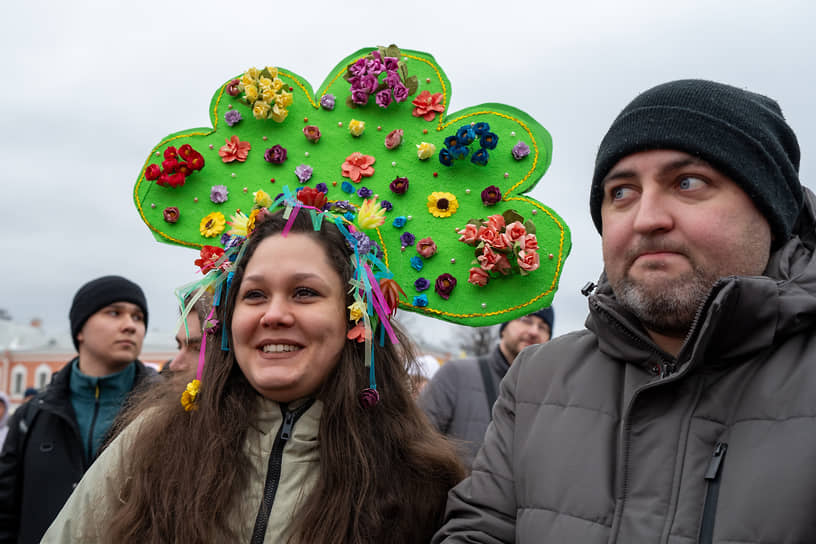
pixel 312 197
pixel 209 255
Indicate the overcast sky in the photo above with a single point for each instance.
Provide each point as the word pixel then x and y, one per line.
pixel 90 87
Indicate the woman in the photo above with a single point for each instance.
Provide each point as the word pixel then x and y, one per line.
pixel 279 447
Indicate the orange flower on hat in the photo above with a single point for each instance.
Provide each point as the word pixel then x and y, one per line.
pixel 427 105
pixel 234 150
pixel 358 166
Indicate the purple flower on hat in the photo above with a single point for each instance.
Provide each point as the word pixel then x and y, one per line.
pixel 520 150
pixel 327 102
pixel 218 193
pixel 491 195
pixel 303 172
pixel 359 96
pixel 275 154
pixel 391 63
pixel 387 205
pixel 358 68
pixel 322 187
pixel 232 117
pixel 407 239
pixel 363 242
pixel 399 185
pixel 400 92
pixel 364 192
pixel 383 98
pixel 444 285
pixel 422 284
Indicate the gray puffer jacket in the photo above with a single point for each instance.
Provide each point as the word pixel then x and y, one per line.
pixel 456 402
pixel 600 437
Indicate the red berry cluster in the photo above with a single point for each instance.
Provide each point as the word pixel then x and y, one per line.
pixel 176 166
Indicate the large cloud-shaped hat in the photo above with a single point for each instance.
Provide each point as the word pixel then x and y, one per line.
pixel 446 205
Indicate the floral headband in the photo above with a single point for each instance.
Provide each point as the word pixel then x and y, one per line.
pixel 448 192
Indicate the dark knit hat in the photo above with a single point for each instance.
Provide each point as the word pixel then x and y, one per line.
pixel 740 133
pixel 547 314
pixel 97 294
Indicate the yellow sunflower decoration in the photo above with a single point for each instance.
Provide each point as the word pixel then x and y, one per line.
pixel 212 225
pixel 441 204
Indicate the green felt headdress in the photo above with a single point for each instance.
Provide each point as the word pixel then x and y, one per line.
pixel 460 236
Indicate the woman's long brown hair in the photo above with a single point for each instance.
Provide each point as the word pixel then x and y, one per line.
pixel 384 471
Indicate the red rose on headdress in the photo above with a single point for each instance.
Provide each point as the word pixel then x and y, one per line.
pixel 312 197
pixel 209 255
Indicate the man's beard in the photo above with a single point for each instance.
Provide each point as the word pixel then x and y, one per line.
pixel 666 307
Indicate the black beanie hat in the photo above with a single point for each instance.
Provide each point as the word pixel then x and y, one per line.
pixel 97 294
pixel 547 314
pixel 740 133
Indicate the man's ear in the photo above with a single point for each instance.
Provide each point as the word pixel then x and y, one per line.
pixel 80 338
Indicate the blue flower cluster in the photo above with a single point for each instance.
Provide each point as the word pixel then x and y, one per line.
pixel 456 145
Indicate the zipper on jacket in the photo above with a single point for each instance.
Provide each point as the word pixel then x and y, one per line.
pixel 273 471
pixel 712 476
pixel 90 450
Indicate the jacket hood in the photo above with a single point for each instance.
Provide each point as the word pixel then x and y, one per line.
pixel 744 314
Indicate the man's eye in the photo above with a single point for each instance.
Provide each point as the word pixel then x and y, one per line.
pixel 689 183
pixel 617 193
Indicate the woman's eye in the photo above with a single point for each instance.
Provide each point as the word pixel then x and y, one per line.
pixel 252 294
pixel 304 292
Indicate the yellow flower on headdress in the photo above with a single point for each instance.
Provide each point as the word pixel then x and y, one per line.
pixel 254 73
pixel 265 83
pixel 188 397
pixel 238 224
pixel 277 84
pixel 356 127
pixel 278 113
pixel 268 95
pixel 371 215
pixel 251 92
pixel 250 225
pixel 284 99
pixel 262 199
pixel 260 110
pixel 273 72
pixel 247 80
pixel 356 310
pixel 442 204
pixel 212 225
pixel 425 150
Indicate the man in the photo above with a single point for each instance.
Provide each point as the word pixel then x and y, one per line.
pixel 189 340
pixel 55 437
pixel 459 398
pixel 29 394
pixel 685 412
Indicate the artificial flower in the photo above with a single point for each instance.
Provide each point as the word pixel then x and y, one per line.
pixel 312 197
pixel 480 157
pixel 312 133
pixel 383 98
pixel 232 87
pixel 152 172
pixel 407 239
pixel 488 235
pixel 445 157
pixel 186 151
pixel 520 150
pixel 399 222
pixel 275 154
pixel 425 150
pixel 391 292
pixel 416 263
pixel 357 166
pixel 233 117
pixel 527 261
pixel 208 256
pixel 370 215
pixel 211 225
pixel 171 214
pixel 364 192
pixel 303 172
pixel 469 234
pixel 491 195
pixel 359 96
pixel 489 140
pixel 218 194
pixel 496 222
pixel 253 73
pixel 347 187
pixel 427 105
pixel 401 92
pixel 253 219
pixel 362 243
pixel 327 101
pixel 238 224
pixel 322 187
pixel 170 153
pixel 422 284
pixel 196 161
pixel 394 139
pixel 444 285
pixel 477 276
pixel 387 206
pixel 515 231
pixel 488 258
pixel 188 397
pixel 528 242
pixel 356 127
pixel 356 310
pixel 261 198
pixel 369 398
pixel 481 128
pixel 358 333
pixel 234 150
pixel 442 204
pixel 420 300
pixel 260 110
pixel 399 185
pixel 426 247
pixel 170 165
pixel 279 113
pixel 251 93
pixel 466 134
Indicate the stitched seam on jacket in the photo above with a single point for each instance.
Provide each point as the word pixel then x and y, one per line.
pixel 560 405
pixel 559 513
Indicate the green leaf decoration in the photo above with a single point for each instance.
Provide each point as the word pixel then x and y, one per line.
pixel 504 297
